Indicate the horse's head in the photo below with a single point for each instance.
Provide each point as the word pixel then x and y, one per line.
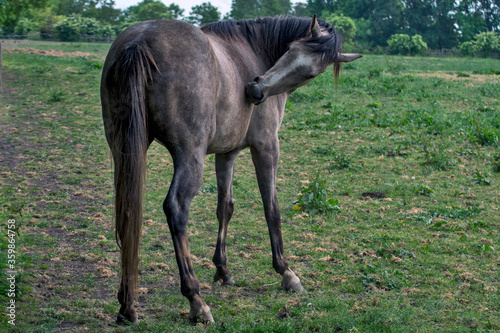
pixel 297 67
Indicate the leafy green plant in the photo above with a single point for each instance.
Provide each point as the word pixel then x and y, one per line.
pixel 210 188
pixel 403 44
pixel 467 48
pixel 341 161
pixel 56 96
pixel 481 178
pixel 314 199
pixel 423 189
pixel 496 163
pixel 486 43
pixel 483 133
pixel 437 158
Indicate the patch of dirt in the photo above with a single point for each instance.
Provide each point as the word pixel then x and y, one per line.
pixel 54 53
pixel 481 78
pixel 70 266
pixel 378 195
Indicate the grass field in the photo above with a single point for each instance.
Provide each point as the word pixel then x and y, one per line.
pixel 388 185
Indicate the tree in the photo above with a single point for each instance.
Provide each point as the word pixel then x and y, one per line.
pixel 300 9
pixel 244 9
pixel 101 10
pixel 345 25
pixel 204 13
pixel 149 10
pixel 175 11
pixel 152 10
pixel 11 11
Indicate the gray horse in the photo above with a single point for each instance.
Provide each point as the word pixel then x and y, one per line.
pixel 197 92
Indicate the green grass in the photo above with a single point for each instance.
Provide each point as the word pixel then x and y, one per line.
pixel 421 257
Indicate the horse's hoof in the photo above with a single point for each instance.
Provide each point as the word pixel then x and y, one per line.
pixel 203 314
pixel 127 320
pixel 291 282
pixel 227 280
pixel 200 311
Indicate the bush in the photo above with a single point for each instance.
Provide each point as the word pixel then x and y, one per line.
pixel 418 46
pixel 399 44
pixel 467 49
pixel 403 44
pixel 71 27
pixel 345 25
pixel 25 27
pixel 484 45
pixel 487 43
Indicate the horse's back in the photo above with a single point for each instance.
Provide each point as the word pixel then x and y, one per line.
pixel 182 95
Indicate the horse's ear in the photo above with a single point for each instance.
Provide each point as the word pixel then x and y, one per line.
pixel 315 29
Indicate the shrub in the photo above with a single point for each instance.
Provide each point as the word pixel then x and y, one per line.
pixel 345 25
pixel 71 27
pixel 403 44
pixel 487 43
pixel 25 27
pixel 484 45
pixel 399 44
pixel 467 49
pixel 418 46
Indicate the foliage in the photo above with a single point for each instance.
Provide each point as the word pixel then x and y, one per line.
pixel 467 48
pixel 244 9
pixel 204 13
pixel 25 27
pixel 403 44
pixel 487 43
pixel 483 45
pixel 314 198
pixel 345 25
pixel 73 26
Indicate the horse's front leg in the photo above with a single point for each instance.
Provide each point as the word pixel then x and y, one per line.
pixel 224 168
pixel 265 155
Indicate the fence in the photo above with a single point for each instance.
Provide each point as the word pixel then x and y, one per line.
pixel 45 36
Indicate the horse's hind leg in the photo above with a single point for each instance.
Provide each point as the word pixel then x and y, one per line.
pixel 265 155
pixel 188 176
pixel 224 167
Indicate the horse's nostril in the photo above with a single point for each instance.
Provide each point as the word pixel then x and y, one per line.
pixel 256 80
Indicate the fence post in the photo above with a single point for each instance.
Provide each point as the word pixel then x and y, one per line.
pixel 1 85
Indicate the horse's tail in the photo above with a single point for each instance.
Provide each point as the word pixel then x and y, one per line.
pixel 127 80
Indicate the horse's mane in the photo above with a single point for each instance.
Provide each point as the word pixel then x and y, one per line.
pixel 275 34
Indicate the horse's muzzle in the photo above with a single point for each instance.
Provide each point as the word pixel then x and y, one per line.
pixel 255 92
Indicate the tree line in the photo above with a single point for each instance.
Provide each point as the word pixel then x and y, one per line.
pixel 363 23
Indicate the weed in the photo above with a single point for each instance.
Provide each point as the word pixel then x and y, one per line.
pixel 463 74
pixel 483 133
pixel 375 72
pixel 480 178
pixel 436 158
pixel 423 189
pixel 496 163
pixel 210 188
pixel 315 199
pixel 342 161
pixel 56 96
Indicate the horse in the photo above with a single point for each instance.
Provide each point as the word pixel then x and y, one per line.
pixel 213 90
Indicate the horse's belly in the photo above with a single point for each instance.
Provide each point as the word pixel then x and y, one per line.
pixel 231 131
